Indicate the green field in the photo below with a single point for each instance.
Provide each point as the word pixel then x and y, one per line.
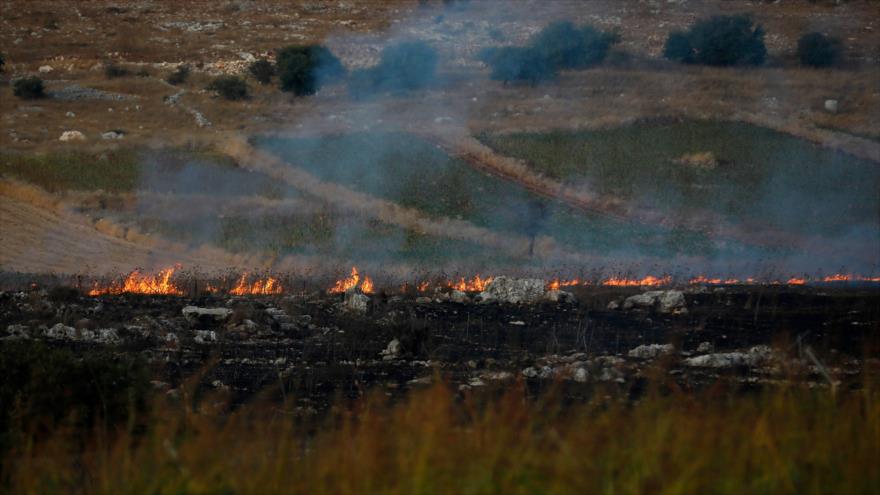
pixel 761 175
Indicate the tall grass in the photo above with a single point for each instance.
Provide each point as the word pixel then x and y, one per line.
pixel 788 440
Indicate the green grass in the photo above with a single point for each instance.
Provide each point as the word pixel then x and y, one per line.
pixel 763 175
pixel 414 173
pixel 115 171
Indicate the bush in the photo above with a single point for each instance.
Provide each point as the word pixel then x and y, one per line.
pixel 818 50
pixel 2 62
pixel 678 47
pixel 230 87
pixel 29 88
pixel 514 63
pixel 559 46
pixel 566 46
pixel 719 41
pixel 179 76
pixel 407 66
pixel 112 70
pixel 262 70
pixel 303 69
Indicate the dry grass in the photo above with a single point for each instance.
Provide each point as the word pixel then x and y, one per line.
pixel 787 440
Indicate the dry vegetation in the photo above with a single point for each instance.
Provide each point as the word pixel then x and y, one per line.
pixel 787 440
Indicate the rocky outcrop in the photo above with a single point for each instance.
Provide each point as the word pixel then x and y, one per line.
pixel 666 301
pixel 514 290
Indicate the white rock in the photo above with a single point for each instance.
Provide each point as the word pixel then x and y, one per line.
pixel 45 69
pixel 205 336
pixel 70 114
pixel 194 313
pixel 72 136
pixel 580 375
pixel 561 296
pixel 705 347
pixel 514 290
pixel 392 351
pixel 109 135
pixel 61 331
pixel 666 301
pixel 755 356
pixel 650 351
pixel 831 106
pixel 671 300
pixel 458 297
pixel 17 332
pixel 355 301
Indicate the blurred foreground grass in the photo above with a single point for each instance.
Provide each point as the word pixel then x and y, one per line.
pixel 785 439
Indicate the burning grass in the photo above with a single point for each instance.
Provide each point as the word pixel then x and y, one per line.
pixel 781 440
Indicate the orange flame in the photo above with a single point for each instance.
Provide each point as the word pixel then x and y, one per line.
pixel 265 287
pixel 367 285
pixel 351 282
pixel 476 284
pixel 557 284
pixel 138 283
pixel 650 280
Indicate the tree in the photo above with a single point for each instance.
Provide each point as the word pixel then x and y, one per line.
pixel 719 41
pixel 515 63
pixel 179 76
pixel 559 46
pixel 29 88
pixel 566 46
pixel 262 70
pixel 230 87
pixel 678 48
pixel 303 69
pixel 818 50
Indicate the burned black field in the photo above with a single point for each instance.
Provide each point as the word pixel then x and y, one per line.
pixel 318 348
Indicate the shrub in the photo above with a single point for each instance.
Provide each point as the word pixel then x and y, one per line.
pixel 678 47
pixel 566 46
pixel 818 50
pixel 303 69
pixel 179 76
pixel 407 66
pixel 112 70
pixel 559 46
pixel 262 70
pixel 719 41
pixel 514 63
pixel 29 88
pixel 230 87
pixel 2 62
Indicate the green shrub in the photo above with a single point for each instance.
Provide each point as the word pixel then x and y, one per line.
pixel 559 46
pixel 678 47
pixel 230 87
pixel 262 70
pixel 818 50
pixel 514 63
pixel 29 88
pixel 566 46
pixel 303 69
pixel 719 41
pixel 112 71
pixel 403 67
pixel 179 76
